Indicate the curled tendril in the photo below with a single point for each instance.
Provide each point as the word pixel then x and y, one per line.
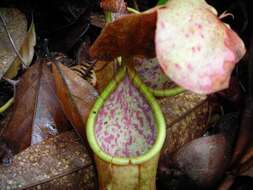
pixel 226 14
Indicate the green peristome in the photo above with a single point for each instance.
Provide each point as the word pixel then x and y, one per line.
pixel 126 171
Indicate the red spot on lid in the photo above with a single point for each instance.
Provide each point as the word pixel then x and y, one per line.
pixel 190 67
pixel 162 25
pixel 177 66
pixel 199 26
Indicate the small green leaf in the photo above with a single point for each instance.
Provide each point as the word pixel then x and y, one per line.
pixel 161 2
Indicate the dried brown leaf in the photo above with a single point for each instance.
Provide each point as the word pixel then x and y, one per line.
pixel 17 26
pixel 76 95
pixel 56 163
pixel 129 35
pixel 26 51
pixel 37 113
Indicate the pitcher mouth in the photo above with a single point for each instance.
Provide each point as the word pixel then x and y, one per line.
pixel 159 122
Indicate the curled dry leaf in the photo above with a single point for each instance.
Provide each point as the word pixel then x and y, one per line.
pixel 24 42
pixel 76 95
pixel 199 52
pixel 37 113
pixel 129 35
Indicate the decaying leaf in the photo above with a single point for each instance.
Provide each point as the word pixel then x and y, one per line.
pixel 37 113
pixel 76 95
pixel 55 163
pixel 16 24
pixel 130 35
pixel 194 47
pixel 24 42
pixel 26 51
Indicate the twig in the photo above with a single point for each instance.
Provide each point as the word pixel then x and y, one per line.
pixel 6 105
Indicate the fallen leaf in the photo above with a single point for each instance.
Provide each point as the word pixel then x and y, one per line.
pixel 129 35
pixel 17 26
pixel 55 163
pixel 26 51
pixel 194 47
pixel 76 96
pixel 37 113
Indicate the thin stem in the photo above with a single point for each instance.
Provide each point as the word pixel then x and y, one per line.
pixel 6 105
pixel 11 40
pixel 132 10
pixel 108 16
